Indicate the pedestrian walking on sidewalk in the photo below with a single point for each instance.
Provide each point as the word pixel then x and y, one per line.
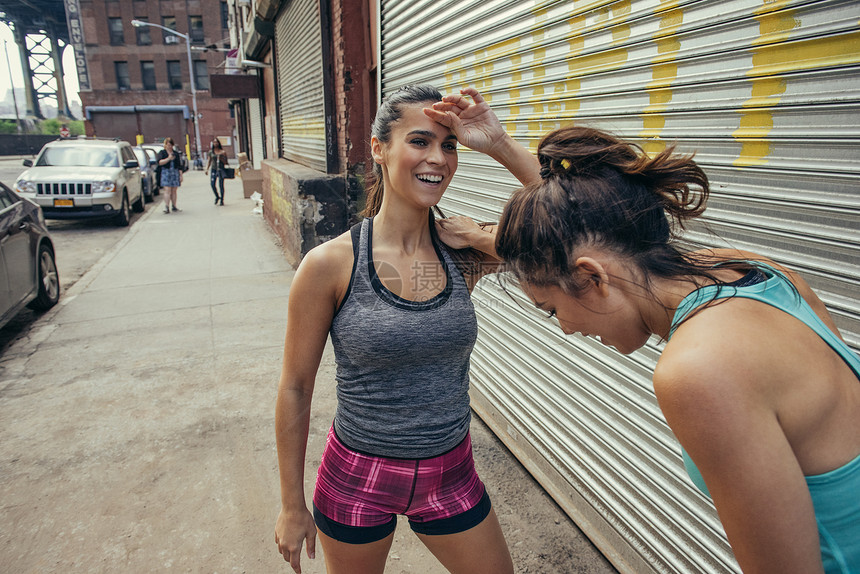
pixel 755 379
pixel 217 163
pixel 171 174
pixel 401 320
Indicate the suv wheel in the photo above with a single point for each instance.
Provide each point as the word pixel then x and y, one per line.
pixel 49 281
pixel 124 215
pixel 140 204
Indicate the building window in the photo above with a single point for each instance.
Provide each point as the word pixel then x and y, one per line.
pixel 122 81
pixel 147 75
pixel 169 22
pixel 115 30
pixel 201 75
pixel 225 16
pixel 174 74
pixel 195 29
pixel 144 38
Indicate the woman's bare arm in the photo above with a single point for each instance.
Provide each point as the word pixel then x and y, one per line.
pixel 314 294
pixel 728 425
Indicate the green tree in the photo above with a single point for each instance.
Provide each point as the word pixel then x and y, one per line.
pixel 8 127
pixel 53 125
pixel 50 127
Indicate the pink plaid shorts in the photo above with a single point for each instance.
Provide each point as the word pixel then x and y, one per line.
pixel 358 496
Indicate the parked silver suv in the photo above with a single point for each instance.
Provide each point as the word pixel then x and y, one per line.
pixel 84 178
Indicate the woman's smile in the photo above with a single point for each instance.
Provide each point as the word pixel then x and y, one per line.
pixel 430 179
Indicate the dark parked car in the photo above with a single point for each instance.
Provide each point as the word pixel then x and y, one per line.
pixel 28 270
pixel 148 182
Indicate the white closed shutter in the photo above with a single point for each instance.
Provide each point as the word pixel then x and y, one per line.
pixel 768 96
pixel 255 123
pixel 298 41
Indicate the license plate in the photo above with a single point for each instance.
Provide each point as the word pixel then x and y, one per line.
pixel 64 203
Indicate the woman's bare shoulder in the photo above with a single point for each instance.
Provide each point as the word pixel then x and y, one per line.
pixel 719 347
pixel 330 257
pixel 327 268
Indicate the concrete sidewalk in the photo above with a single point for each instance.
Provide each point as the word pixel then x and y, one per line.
pixel 136 419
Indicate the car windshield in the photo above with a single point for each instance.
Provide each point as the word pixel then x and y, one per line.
pixel 79 156
pixel 141 157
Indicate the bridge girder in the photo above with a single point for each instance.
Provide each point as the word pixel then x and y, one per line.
pixel 42 25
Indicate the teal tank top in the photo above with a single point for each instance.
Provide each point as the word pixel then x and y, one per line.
pixel 835 494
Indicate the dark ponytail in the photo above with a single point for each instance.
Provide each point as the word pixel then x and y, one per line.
pixel 599 190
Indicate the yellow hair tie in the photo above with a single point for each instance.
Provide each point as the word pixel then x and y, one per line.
pixel 565 163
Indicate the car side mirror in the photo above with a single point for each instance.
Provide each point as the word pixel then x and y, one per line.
pixel 130 164
pixel 152 162
pixel 28 163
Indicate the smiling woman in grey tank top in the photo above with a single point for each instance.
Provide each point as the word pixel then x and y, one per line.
pixel 396 304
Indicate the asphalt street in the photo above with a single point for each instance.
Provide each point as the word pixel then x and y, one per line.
pixel 137 416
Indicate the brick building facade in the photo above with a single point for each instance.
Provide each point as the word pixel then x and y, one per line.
pixel 308 131
pixel 139 75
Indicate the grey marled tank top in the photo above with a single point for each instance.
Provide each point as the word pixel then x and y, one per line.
pixel 402 366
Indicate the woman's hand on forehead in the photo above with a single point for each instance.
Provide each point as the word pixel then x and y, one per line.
pixel 469 116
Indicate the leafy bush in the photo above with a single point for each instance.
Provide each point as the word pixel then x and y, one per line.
pixel 53 125
pixel 8 127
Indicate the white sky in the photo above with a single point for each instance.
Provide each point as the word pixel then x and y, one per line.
pixel 17 78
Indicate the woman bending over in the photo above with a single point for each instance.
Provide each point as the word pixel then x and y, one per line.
pixel 755 379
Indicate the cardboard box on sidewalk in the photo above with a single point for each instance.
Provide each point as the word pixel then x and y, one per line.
pixel 252 180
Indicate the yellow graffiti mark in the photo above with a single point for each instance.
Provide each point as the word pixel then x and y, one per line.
pixel 621 31
pixel 622 8
pixel 668 48
pixel 841 50
pixel 755 124
pixel 538 56
pixel 652 127
pixel 571 102
pixel 281 206
pixel 769 63
pixel 765 92
pixel 510 124
pixel 454 72
pixel 776 27
pixel 599 62
pixel 672 6
pixel 576 41
pixel 602 15
pixel 753 152
pixel 503 48
pixel 662 75
pixel 664 71
pixel 477 69
pixel 304 126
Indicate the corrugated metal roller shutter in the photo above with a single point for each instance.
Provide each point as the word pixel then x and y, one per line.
pixel 767 94
pixel 300 83
pixel 255 121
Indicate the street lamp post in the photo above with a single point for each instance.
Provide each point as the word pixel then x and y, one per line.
pixel 187 37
